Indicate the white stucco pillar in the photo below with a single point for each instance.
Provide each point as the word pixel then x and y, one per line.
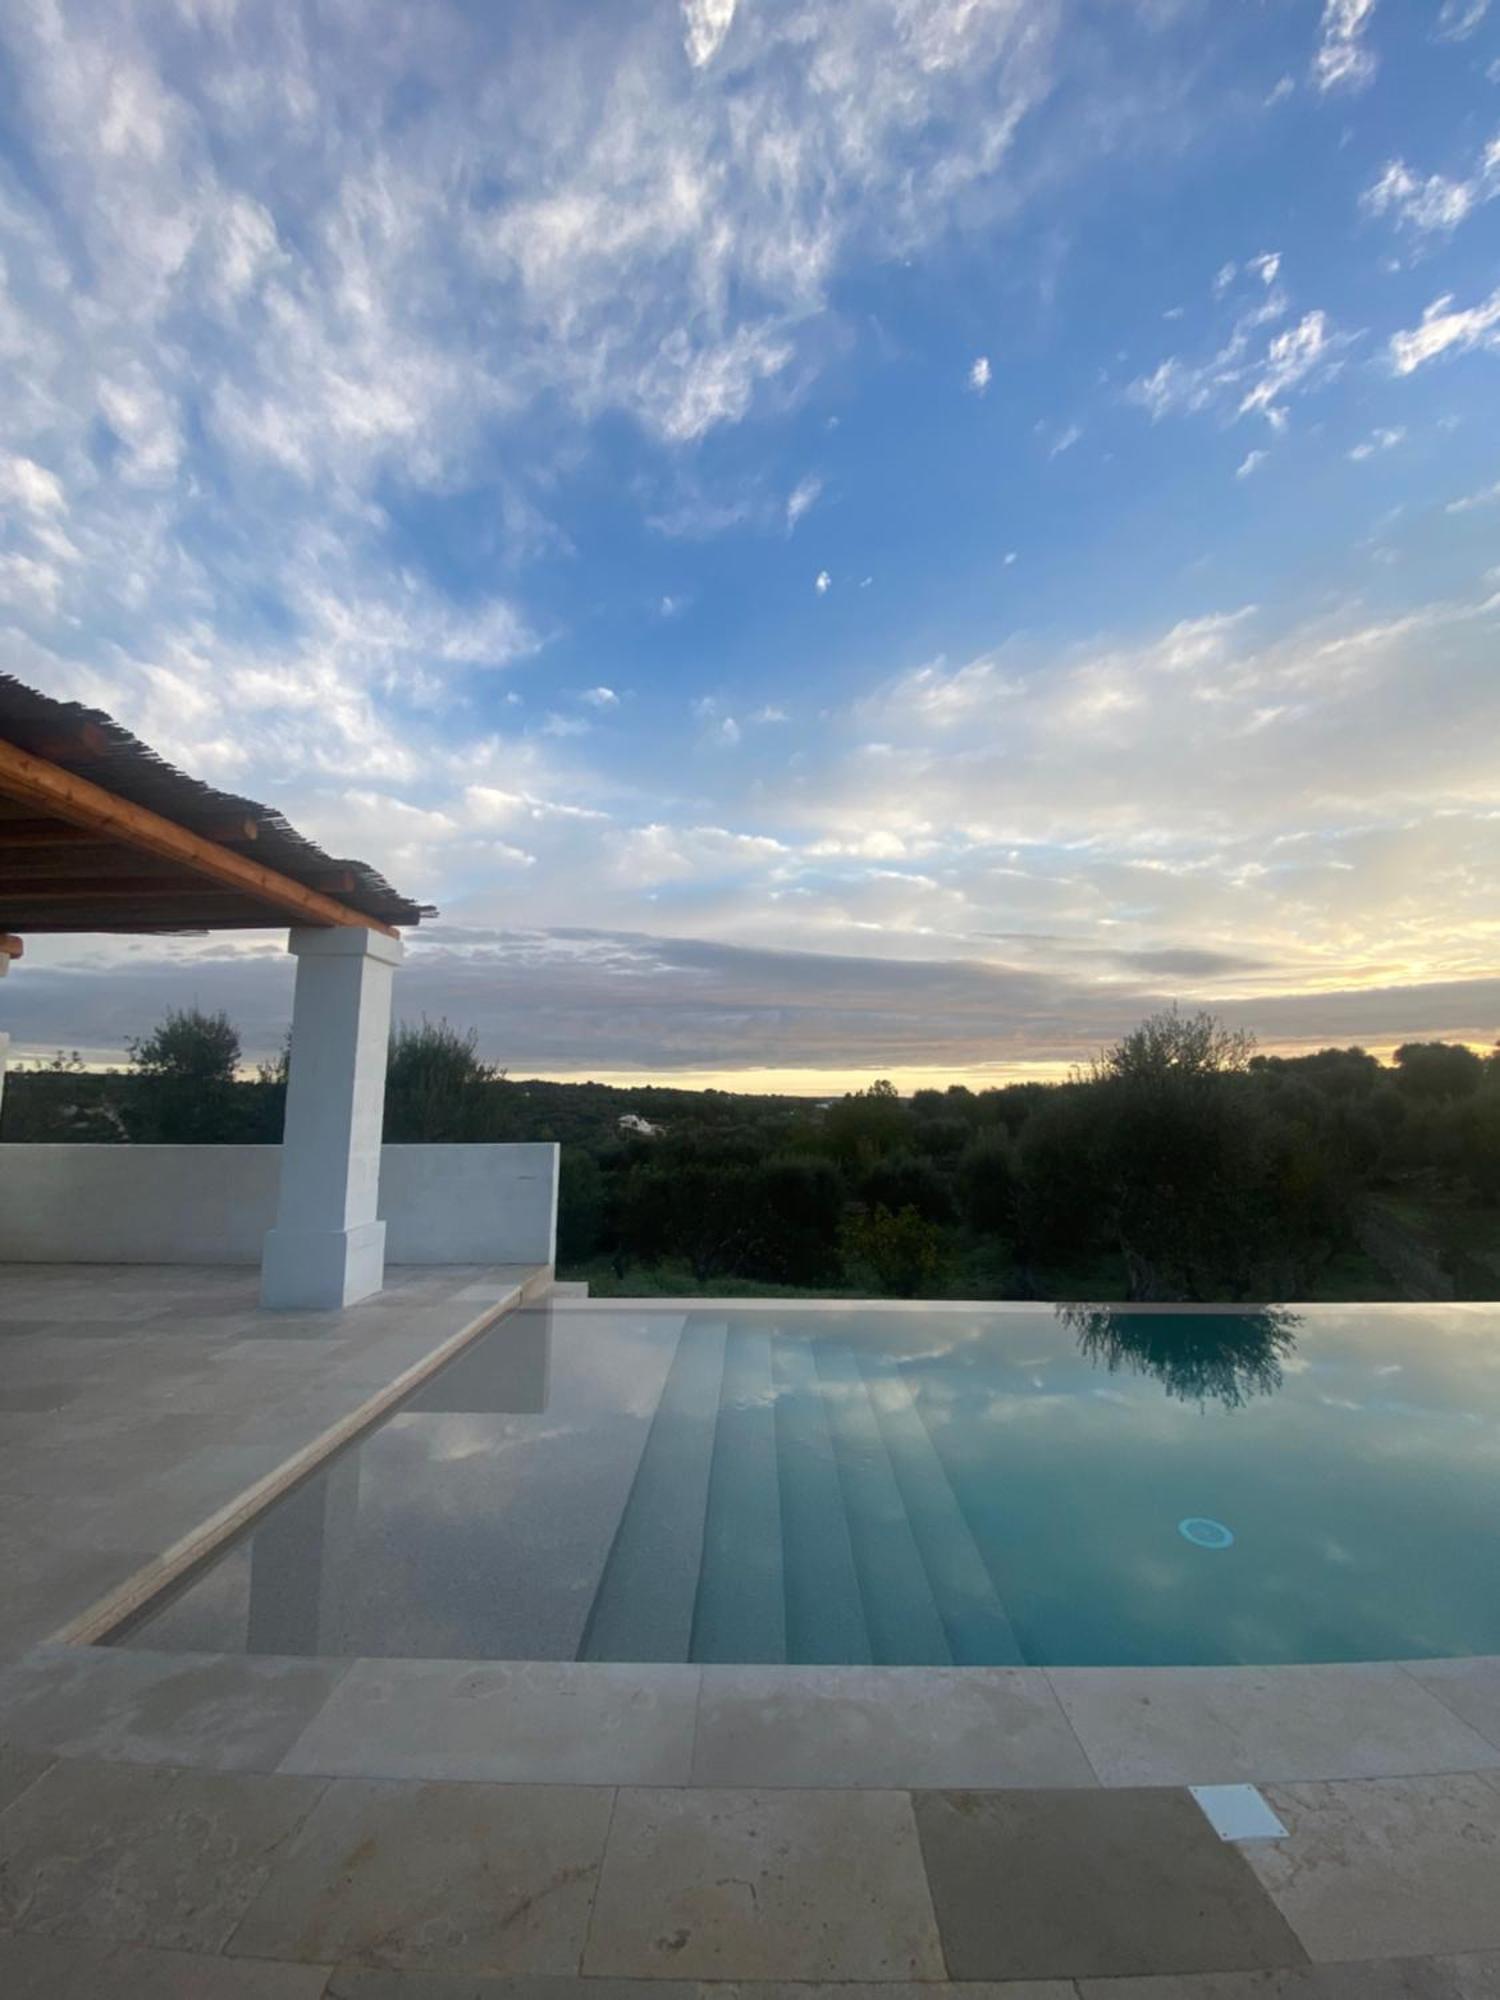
pixel 327 1249
pixel 4 1037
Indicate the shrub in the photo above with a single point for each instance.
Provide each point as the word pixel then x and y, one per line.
pixel 436 1088
pixel 904 1251
pixel 905 1181
pixel 989 1184
pixel 186 1068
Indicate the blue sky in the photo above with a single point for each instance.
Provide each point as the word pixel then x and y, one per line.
pixel 886 537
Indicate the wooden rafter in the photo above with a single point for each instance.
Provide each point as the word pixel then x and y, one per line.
pixel 46 788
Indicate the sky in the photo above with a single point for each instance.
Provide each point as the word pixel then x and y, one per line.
pixel 832 538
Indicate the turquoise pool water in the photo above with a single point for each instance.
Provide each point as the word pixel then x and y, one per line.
pixel 970 1486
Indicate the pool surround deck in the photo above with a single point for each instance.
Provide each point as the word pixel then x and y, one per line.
pixel 280 1829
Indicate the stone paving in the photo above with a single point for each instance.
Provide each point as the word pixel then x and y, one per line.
pixel 200 1827
pixel 147 1879
pixel 135 1400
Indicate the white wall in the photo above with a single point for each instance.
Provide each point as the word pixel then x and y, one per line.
pixel 214 1204
pixel 469 1204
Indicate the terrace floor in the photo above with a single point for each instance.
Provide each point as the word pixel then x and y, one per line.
pixel 258 1828
pixel 137 1400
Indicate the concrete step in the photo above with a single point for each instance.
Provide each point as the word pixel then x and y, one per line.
pixel 979 1631
pixel 741 1609
pixel 901 1614
pixel 825 1615
pixel 643 1609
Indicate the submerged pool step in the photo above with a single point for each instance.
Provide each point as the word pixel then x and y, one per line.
pixel 979 1632
pixel 901 1613
pixel 643 1609
pixel 825 1614
pixel 741 1609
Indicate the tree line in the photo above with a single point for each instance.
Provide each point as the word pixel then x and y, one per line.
pixel 1180 1165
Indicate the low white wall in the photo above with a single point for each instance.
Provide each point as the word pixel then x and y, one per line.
pixel 469 1204
pixel 214 1204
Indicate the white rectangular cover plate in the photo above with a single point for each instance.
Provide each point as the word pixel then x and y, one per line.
pixel 1238 1812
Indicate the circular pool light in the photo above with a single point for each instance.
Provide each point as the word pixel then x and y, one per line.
pixel 1205 1534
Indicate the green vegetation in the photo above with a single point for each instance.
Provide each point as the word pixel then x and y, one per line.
pixel 1180 1165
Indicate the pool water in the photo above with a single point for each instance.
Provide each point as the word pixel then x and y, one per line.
pixel 924 1486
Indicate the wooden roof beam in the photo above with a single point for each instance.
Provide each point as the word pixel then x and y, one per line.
pixel 142 889
pixel 58 833
pixel 47 788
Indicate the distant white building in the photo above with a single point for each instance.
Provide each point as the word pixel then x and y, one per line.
pixel 631 1121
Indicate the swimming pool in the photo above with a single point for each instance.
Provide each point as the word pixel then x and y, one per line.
pixel 920 1485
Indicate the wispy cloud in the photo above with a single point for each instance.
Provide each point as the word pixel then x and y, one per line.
pixel 705 24
pixel 1433 204
pixel 1253 371
pixel 822 583
pixel 1377 441
pixel 979 374
pixel 1446 329
pixel 804 495
pixel 1458 19
pixel 1343 61
pixel 1487 496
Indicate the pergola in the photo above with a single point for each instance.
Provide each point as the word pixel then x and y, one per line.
pixel 99 834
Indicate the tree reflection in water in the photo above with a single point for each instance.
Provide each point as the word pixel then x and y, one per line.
pixel 1222 1357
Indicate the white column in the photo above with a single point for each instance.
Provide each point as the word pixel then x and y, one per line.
pixel 4 1037
pixel 327 1248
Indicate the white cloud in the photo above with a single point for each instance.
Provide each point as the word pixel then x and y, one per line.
pixel 822 583
pixel 1249 462
pixel 770 713
pixel 1280 91
pixel 1065 440
pixel 1444 329
pixel 25 484
pixel 1378 440
pixel 600 697
pixel 1487 496
pixel 1433 205
pixel 1293 355
pixel 1457 19
pixel 979 374
pixel 705 24
pixel 1266 266
pixel 1243 376
pixel 1342 60
pixel 802 496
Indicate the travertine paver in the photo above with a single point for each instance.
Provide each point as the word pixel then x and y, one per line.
pixel 209 1711
pixel 182 1394
pixel 884 1727
pixel 1219 1725
pixel 352 1983
pixel 18 1769
pixel 143 1853
pixel 536 1721
pixel 1471 1688
pixel 1391 1868
pixel 488 1877
pixel 1056 1884
pixel 41 1968
pixel 1465 1978
pixel 745 1885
